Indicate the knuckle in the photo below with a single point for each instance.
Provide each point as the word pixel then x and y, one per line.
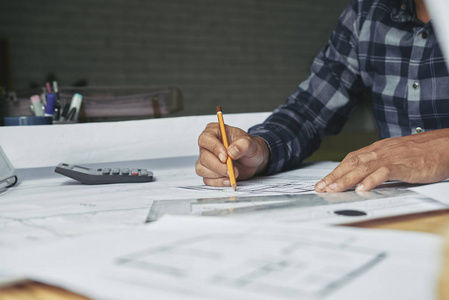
pixel 215 149
pixel 353 160
pixel 365 168
pixel 211 126
pixel 244 144
pixel 349 155
pixel 373 155
pixel 386 170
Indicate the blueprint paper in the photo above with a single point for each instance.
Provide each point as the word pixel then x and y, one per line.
pixel 210 258
pixel 51 207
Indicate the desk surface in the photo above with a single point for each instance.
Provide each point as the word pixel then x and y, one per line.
pixel 432 222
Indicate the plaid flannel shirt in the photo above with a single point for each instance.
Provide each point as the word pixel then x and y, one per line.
pixel 378 46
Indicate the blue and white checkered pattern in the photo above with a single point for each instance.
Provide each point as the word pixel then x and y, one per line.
pixel 380 47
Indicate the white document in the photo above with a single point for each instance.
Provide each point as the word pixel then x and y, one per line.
pixel 53 207
pixel 439 10
pixel 56 207
pixel 342 213
pixel 210 258
pixel 436 191
pixel 49 145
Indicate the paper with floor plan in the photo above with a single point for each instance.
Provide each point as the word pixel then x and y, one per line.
pixel 212 258
pixel 55 207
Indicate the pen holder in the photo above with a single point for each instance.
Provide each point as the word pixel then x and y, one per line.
pixel 28 120
pixel 107 103
pixel 123 103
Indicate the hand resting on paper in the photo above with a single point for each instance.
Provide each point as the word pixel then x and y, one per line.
pixel 418 158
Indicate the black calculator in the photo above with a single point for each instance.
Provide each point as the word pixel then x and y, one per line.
pixel 104 175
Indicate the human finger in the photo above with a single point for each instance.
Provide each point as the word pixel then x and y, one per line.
pixel 349 163
pixel 209 140
pixel 208 165
pixel 381 175
pixel 222 181
pixel 243 147
pixel 354 176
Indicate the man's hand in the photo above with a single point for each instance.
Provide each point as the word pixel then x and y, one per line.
pixel 419 158
pixel 250 155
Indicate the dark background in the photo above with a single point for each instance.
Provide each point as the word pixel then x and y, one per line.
pixel 244 55
pixel 241 54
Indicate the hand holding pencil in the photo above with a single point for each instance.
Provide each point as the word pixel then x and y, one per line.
pixel 249 154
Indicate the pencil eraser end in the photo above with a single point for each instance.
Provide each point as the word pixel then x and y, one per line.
pixel 218 108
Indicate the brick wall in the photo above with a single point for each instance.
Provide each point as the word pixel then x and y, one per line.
pixel 244 55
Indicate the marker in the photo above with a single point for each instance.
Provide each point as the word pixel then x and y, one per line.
pixel 55 88
pixel 75 106
pixel 225 143
pixel 48 87
pixel 57 104
pixel 50 107
pixel 71 114
pixel 65 112
pixel 37 105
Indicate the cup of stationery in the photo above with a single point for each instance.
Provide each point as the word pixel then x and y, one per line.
pixel 28 120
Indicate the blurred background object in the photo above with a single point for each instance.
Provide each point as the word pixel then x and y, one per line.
pixel 247 56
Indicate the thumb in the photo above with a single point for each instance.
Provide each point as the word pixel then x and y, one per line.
pixel 242 147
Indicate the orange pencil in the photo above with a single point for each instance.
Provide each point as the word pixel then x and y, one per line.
pixel 225 143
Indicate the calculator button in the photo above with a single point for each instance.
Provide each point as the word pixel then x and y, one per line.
pixel 125 171
pixel 143 173
pixel 106 171
pixel 115 171
pixel 135 172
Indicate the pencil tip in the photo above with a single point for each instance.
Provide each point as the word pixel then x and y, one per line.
pixel 234 186
pixel 218 108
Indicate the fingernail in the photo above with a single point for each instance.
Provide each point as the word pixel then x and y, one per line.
pixel 359 188
pixel 333 186
pixel 321 185
pixel 234 151
pixel 222 157
pixel 226 182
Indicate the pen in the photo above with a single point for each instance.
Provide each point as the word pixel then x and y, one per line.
pixel 71 114
pixel 225 143
pixel 57 104
pixel 75 106
pixel 47 84
pixel 64 112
